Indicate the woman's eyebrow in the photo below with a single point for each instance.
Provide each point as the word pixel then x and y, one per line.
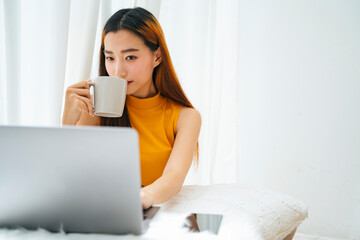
pixel 107 51
pixel 129 50
pixel 122 51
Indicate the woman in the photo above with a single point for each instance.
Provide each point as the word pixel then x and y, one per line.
pixel 133 48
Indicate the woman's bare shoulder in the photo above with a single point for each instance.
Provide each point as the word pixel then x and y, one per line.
pixel 189 117
pixel 190 112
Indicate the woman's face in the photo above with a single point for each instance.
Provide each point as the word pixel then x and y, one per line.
pixel 127 57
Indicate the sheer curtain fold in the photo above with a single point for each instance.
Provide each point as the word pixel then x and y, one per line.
pixel 2 67
pixel 154 6
pixel 59 38
pixel 203 44
pixel 11 64
pixel 225 69
pixel 35 42
pixel 43 39
pixel 82 32
pixel 45 28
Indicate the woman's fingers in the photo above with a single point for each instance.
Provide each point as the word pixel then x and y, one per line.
pixel 82 84
pixel 79 91
pixel 86 104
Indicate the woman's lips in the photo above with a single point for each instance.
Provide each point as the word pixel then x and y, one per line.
pixel 128 83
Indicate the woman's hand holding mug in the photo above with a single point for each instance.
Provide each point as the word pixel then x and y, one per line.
pixel 77 99
pixel 109 99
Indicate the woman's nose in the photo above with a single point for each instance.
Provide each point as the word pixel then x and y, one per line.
pixel 120 70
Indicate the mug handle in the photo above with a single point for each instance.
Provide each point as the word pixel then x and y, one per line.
pixel 92 84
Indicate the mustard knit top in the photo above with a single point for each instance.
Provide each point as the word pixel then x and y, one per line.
pixel 155 120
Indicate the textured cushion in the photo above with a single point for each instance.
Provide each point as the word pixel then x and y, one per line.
pixel 272 214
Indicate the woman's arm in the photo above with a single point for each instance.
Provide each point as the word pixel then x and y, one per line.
pixel 177 167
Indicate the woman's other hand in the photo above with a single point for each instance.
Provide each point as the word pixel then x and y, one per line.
pixel 77 99
pixel 147 200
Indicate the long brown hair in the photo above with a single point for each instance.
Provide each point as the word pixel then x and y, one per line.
pixel 145 25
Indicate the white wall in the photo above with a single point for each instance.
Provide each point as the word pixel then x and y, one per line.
pixel 300 107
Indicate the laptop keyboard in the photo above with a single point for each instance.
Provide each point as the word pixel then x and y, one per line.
pixel 144 214
pixel 150 212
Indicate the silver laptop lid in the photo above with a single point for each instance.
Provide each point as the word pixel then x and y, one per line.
pixel 80 179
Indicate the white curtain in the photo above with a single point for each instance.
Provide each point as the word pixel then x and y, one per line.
pixel 203 40
pixel 47 45
pixel 2 68
pixel 10 49
pixel 35 42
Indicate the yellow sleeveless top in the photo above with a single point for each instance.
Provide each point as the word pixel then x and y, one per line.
pixel 155 120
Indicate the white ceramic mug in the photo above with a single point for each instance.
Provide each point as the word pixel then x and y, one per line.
pixel 109 96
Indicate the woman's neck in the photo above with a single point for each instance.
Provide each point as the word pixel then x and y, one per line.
pixel 146 91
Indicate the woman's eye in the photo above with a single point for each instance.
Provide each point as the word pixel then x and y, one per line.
pixel 109 58
pixel 130 58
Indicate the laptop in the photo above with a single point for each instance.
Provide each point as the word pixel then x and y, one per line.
pixel 72 179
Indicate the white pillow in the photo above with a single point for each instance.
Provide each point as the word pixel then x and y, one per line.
pixel 272 215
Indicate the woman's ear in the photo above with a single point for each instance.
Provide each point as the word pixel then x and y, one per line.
pixel 157 57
